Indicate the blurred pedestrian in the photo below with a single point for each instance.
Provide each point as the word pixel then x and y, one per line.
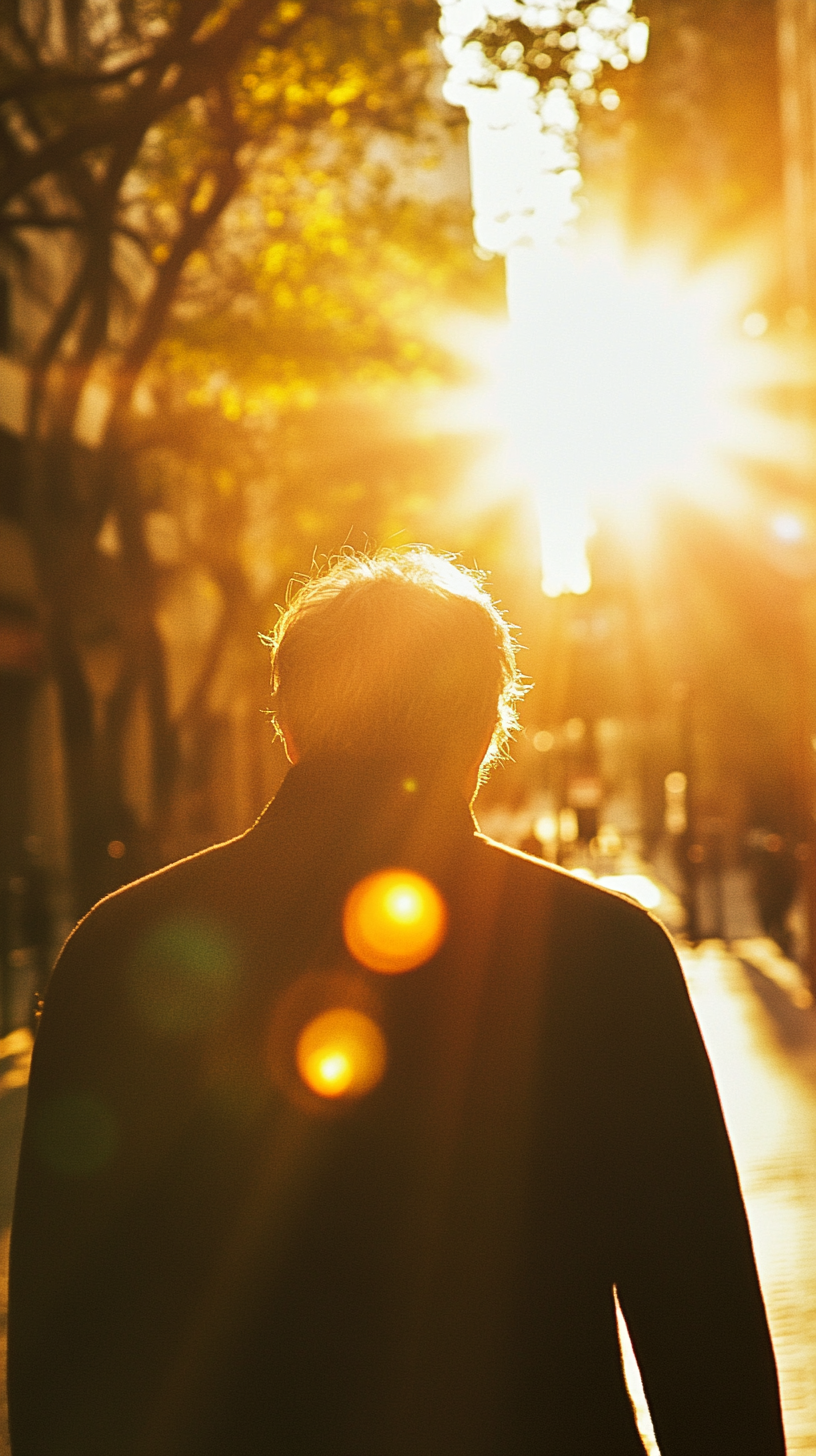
pixel 342 1136
pixel 775 879
pixel 27 930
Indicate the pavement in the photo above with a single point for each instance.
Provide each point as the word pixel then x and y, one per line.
pixel 759 1023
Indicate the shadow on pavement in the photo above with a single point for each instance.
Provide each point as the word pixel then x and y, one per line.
pixel 794 1026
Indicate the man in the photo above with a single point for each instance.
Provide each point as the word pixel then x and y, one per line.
pixel 341 1136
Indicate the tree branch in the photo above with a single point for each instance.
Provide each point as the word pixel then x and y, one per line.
pixel 21 36
pixel 202 66
pixel 53 79
pixel 50 343
pixel 189 238
pixel 11 222
pixel 55 155
pixel 95 330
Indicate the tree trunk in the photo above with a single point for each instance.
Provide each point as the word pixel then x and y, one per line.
pixel 62 519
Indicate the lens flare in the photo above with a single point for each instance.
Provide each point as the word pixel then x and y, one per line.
pixel 341 1053
pixel 394 920
pixel 624 378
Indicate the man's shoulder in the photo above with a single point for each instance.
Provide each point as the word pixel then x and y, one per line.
pixel 203 879
pixel 600 947
pixel 570 893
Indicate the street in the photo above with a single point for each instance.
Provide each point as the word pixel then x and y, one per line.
pixel 761 1037
pixel 763 1047
pixel 760 1029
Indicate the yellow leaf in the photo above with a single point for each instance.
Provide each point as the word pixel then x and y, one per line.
pixel 231 404
pixel 204 193
pixel 345 91
pixel 274 258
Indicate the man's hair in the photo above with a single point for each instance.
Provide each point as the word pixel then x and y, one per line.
pixel 399 654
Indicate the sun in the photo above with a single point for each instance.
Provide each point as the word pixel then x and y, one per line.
pixel 622 376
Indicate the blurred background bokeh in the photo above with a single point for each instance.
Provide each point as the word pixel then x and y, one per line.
pixel 246 323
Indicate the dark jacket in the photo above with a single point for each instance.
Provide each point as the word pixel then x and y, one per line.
pixel 207 1260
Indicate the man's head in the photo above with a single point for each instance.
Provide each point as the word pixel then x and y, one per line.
pixel 400 654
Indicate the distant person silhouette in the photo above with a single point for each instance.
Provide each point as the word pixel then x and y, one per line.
pixel 342 1136
pixel 775 875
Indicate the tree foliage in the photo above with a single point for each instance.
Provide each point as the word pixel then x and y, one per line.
pixel 199 206
pixel 203 207
pixel 133 136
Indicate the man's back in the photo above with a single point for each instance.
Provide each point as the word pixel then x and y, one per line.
pixel 208 1258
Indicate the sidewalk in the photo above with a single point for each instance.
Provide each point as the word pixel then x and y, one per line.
pixel 759 1026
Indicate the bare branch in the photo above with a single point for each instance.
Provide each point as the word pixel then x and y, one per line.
pixel 95 324
pixel 54 155
pixel 50 343
pixel 123 231
pixel 59 79
pixel 203 64
pixel 21 36
pixel 11 221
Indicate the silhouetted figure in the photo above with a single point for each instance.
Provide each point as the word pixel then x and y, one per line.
pixel 342 1135
pixel 27 934
pixel 775 879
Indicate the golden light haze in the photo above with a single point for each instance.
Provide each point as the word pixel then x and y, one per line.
pixel 621 376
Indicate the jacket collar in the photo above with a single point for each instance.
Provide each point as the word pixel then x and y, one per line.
pixel 371 810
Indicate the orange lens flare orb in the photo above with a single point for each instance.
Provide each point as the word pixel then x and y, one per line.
pixel 394 920
pixel 341 1053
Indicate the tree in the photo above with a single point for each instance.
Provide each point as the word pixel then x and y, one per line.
pixel 190 196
